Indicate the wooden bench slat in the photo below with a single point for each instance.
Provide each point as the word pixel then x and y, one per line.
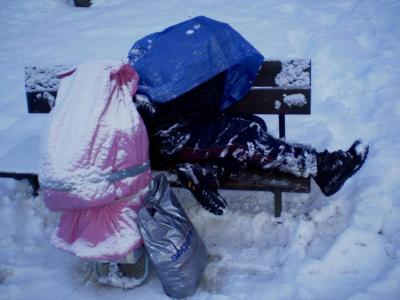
pixel 269 70
pixel 272 93
pixel 38 102
pixel 267 181
pixel 294 73
pixel 255 180
pixel 275 101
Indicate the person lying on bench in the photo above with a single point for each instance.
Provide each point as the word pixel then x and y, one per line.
pixel 205 145
pixel 191 73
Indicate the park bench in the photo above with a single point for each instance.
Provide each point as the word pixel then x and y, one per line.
pixel 281 88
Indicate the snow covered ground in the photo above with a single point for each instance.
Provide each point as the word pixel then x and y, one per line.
pixel 344 247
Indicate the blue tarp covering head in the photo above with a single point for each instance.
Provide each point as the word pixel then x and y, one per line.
pixel 185 55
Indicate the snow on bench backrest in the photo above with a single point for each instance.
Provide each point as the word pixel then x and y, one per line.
pixel 281 87
pixel 41 85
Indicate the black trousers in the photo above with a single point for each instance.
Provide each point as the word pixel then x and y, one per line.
pixel 232 141
pixel 191 128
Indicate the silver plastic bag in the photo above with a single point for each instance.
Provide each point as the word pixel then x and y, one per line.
pixel 174 247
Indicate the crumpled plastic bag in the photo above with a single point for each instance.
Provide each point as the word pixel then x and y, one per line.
pixel 175 249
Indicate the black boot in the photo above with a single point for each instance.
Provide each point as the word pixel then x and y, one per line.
pixel 202 181
pixel 333 169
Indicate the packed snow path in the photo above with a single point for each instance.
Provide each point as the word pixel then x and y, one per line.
pixel 344 247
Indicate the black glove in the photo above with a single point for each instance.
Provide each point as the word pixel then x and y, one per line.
pixel 203 183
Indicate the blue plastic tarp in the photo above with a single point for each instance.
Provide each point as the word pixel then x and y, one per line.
pixel 187 54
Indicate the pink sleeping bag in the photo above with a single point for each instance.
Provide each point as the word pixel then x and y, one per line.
pixel 94 161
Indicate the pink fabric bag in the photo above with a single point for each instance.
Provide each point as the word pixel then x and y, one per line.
pixel 94 161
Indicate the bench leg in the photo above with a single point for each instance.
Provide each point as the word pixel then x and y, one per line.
pixel 34 182
pixel 278 203
pixel 32 179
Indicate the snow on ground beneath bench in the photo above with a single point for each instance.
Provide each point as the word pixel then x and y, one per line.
pixel 344 247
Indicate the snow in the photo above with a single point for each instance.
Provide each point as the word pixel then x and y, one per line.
pixel 22 157
pixel 361 149
pixel 112 278
pixel 195 27
pixel 343 247
pixel 43 78
pixel 294 73
pixel 277 104
pixel 50 99
pixel 143 101
pixel 294 100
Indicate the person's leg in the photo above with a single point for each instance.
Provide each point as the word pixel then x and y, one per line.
pixel 234 142
pixel 242 141
pixel 215 149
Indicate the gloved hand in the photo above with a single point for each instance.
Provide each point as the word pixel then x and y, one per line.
pixel 197 180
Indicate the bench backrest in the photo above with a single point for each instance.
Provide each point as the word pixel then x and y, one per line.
pixel 282 87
